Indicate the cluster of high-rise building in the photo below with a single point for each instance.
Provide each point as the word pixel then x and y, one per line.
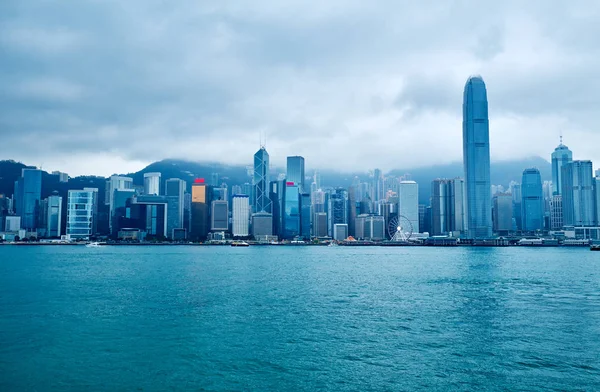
pixel 296 206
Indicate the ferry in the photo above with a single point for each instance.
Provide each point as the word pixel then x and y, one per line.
pixel 595 247
pixel 239 243
pixel 93 245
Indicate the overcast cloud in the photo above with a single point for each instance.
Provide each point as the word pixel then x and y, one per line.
pixel 102 86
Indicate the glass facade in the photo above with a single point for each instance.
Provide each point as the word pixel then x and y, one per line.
pixel 305 210
pixel 31 188
pixel 532 201
pixel 175 191
pixel 81 207
pixel 200 210
pixel 291 212
pixel 578 194
pixel 261 181
pixel 560 157
pixel 295 172
pixel 53 217
pixel 476 159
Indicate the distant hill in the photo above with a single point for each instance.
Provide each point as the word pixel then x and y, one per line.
pixel 501 172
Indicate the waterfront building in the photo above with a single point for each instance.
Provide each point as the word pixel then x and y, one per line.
pixel 200 219
pixel 503 214
pixel 261 181
pixel 187 212
pixel 148 213
pixel 28 195
pixel 175 192
pixel 53 215
pixel 152 183
pixel 240 216
pixel 352 205
pixel 291 212
pixel 337 208
pixel 305 215
pixel 121 211
pixel 515 190
pixel 320 224
pixel 597 194
pixel 532 204
pixel 219 215
pixel 578 194
pixel 374 228
pixel 295 172
pixel 82 212
pixel 12 223
pixel 408 203
pixel 447 207
pixel 560 157
pixel 340 231
pixel 476 159
pixel 62 177
pixel 262 224
pixel 556 213
pixel 113 184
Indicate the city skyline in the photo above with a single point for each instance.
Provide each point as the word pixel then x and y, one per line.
pixel 320 96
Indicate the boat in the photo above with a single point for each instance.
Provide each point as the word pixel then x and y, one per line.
pixel 239 243
pixel 332 244
pixel 93 245
pixel 595 247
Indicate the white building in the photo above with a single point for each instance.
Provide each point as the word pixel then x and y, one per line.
pixel 240 215
pixel 82 213
pixel 408 203
pixel 12 223
pixel 340 231
pixel 152 183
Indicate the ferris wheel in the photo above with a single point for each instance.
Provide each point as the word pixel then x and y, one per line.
pixel 400 229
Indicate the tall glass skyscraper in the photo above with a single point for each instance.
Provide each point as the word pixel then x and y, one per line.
pixel 532 203
pixel 28 192
pixel 578 194
pixel 295 172
pixel 476 159
pixel 261 181
pixel 561 156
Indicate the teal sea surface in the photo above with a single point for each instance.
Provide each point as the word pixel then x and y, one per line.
pixel 298 318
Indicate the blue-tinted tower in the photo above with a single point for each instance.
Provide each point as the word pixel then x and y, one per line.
pixel 295 172
pixel 476 159
pixel 262 202
pixel 291 213
pixel 532 202
pixel 560 157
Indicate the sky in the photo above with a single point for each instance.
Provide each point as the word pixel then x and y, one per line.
pixel 106 86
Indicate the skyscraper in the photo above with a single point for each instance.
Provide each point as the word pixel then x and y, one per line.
pixel 408 205
pixel 152 183
pixel 476 159
pixel 532 203
pixel 240 216
pixel 261 181
pixel 560 157
pixel 82 210
pixel 503 206
pixel 291 212
pixel 54 215
pixel 200 221
pixel 447 206
pixel 175 191
pixel 28 194
pixel 295 172
pixel 578 194
pixel 219 215
pixel 337 210
pixel 113 184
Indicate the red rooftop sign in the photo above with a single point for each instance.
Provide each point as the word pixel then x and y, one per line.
pixel 289 183
pixel 199 181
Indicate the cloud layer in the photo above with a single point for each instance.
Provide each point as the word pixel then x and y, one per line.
pixel 107 86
